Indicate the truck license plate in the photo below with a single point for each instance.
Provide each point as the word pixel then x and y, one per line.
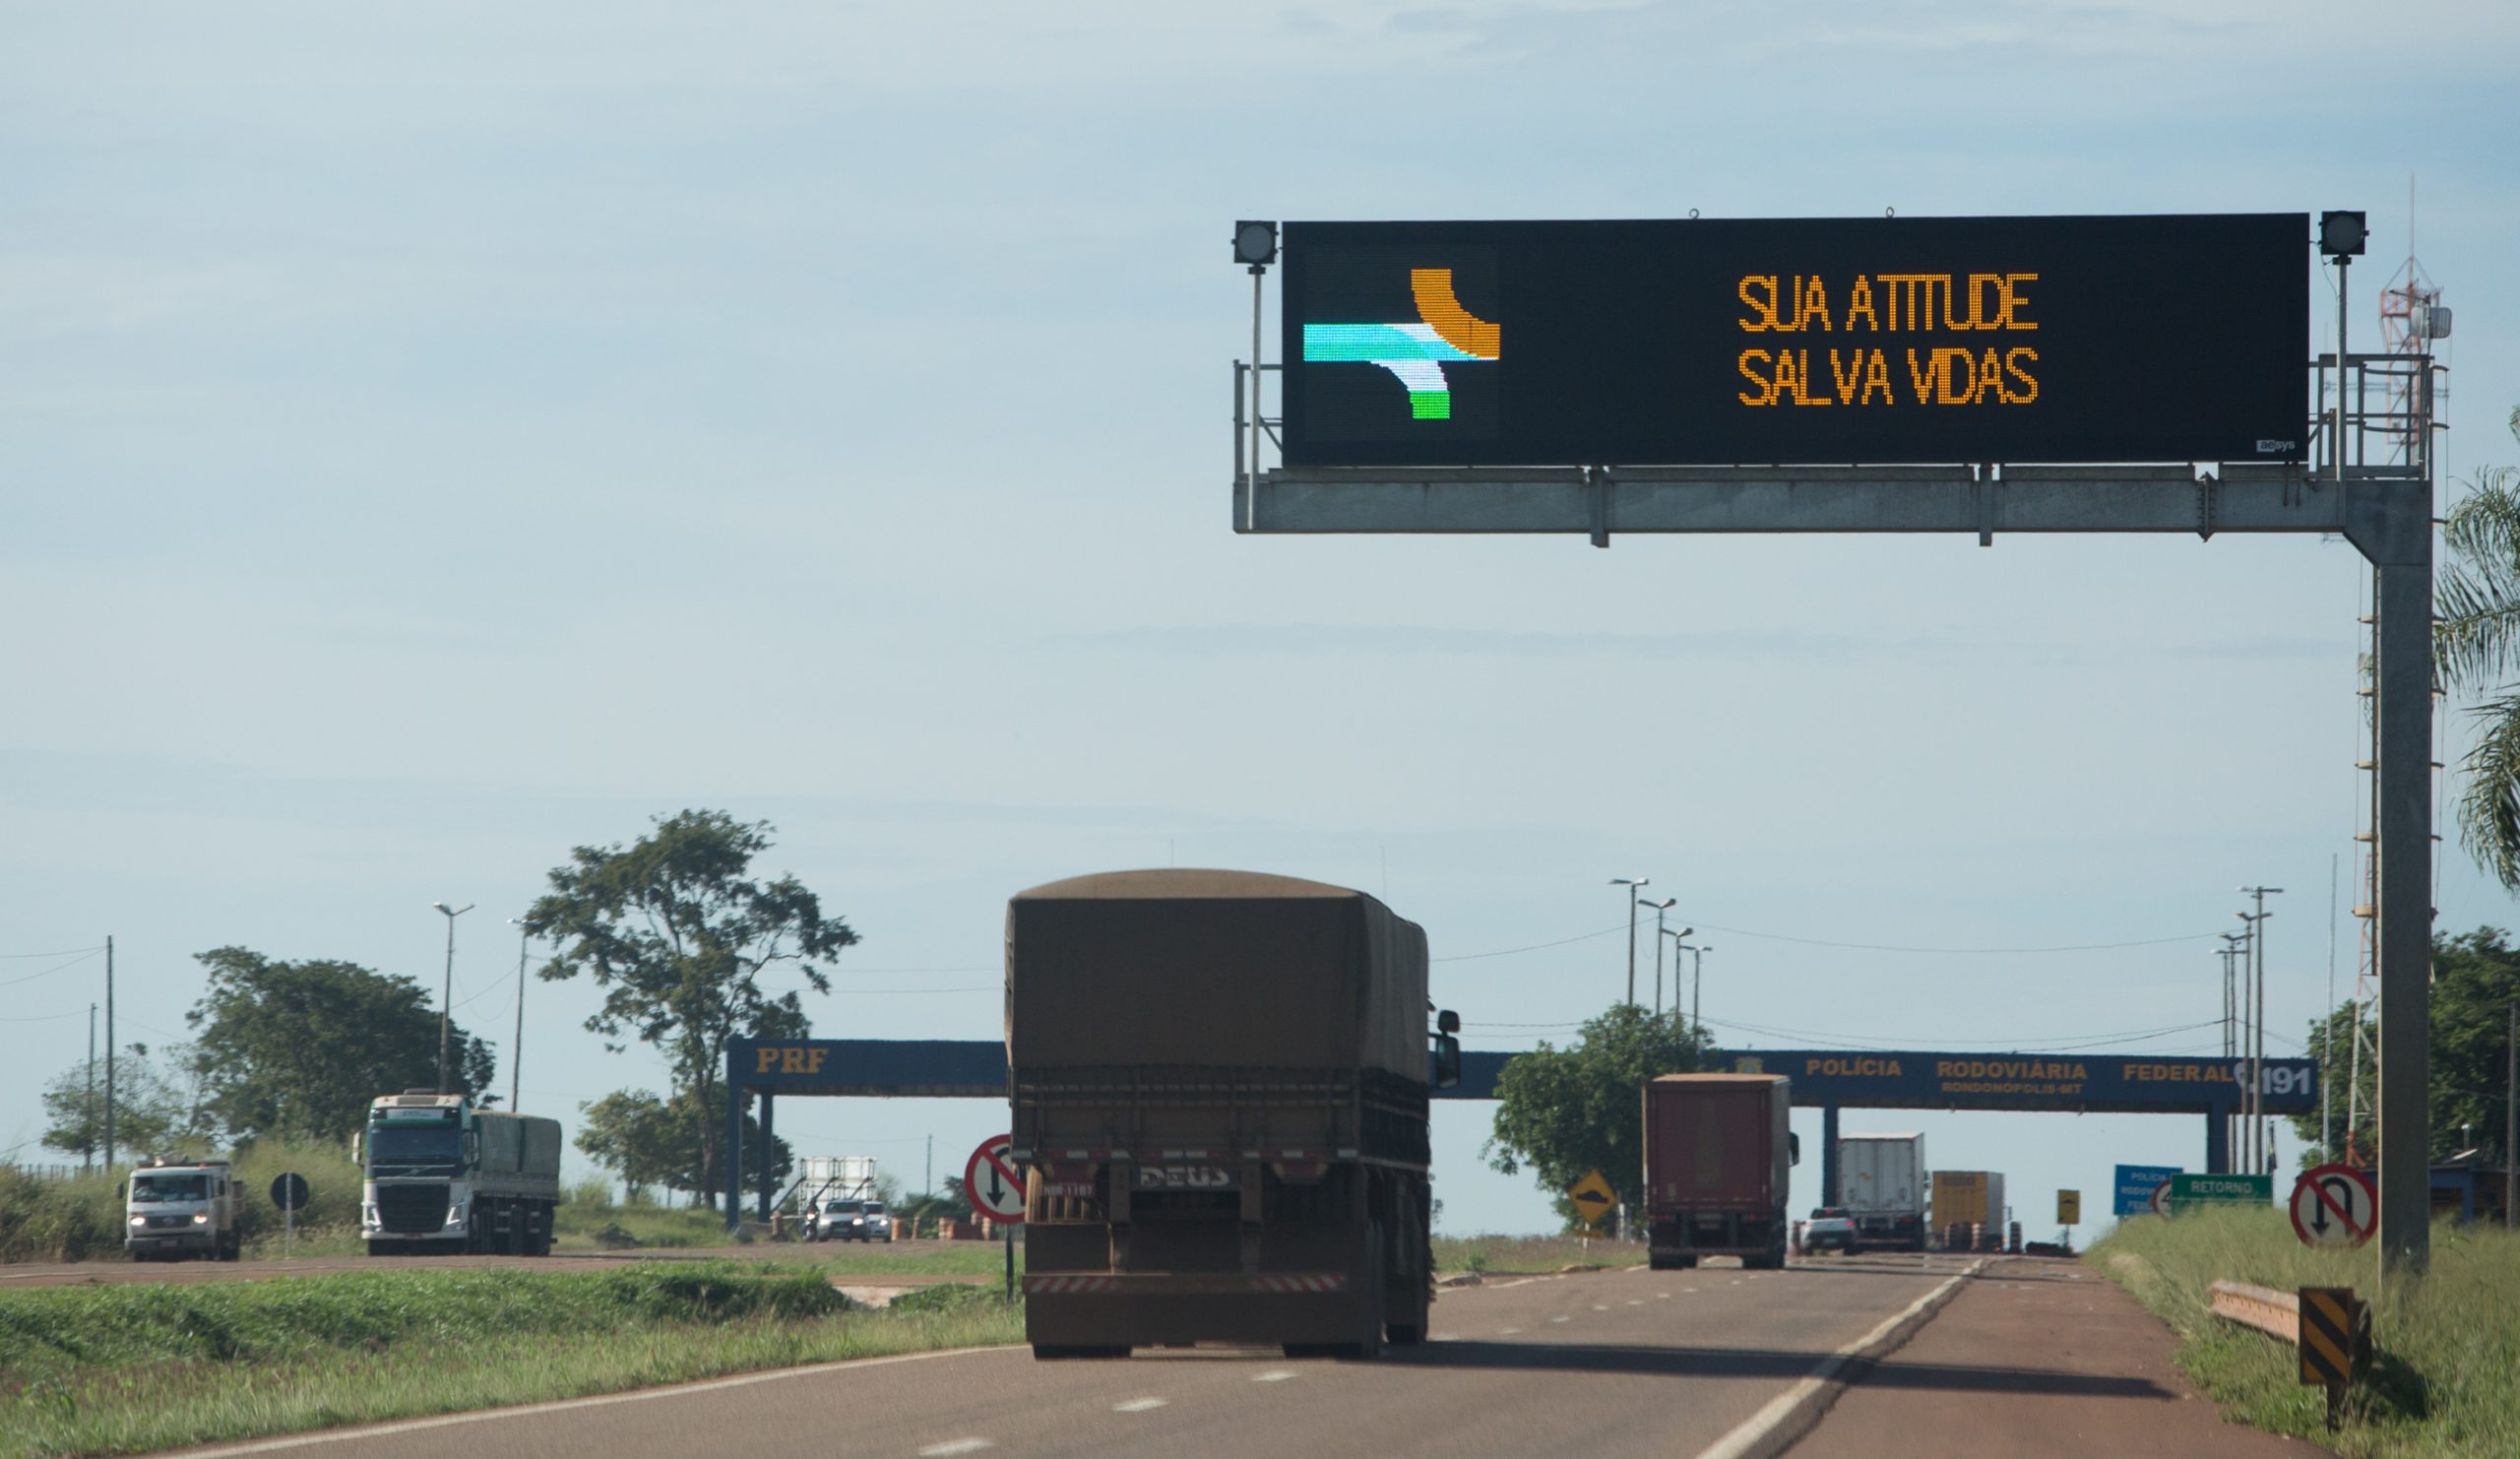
pixel 1184 1177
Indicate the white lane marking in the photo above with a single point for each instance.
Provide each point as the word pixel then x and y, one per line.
pixel 599 1400
pixel 1280 1375
pixel 1750 1438
pixel 955 1446
pixel 1137 1405
pixel 1636 1302
pixel 1445 1337
pixel 1688 1289
pixel 1556 1319
pixel 1599 1308
pixel 1664 1295
pixel 1507 1331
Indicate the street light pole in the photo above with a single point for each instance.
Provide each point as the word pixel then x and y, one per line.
pixel 1697 981
pixel 2234 955
pixel 1634 884
pixel 1660 908
pixel 446 999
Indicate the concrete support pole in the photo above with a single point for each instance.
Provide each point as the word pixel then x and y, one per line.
pixel 737 1095
pixel 769 1177
pixel 2217 1143
pixel 2404 718
pixel 1828 1155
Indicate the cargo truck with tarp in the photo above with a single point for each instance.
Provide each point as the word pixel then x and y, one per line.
pixel 1219 1083
pixel 1719 1158
pixel 441 1175
pixel 1881 1184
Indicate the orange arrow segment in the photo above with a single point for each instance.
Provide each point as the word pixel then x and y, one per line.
pixel 1453 323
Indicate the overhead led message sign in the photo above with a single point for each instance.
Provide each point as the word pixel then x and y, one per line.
pixel 1782 342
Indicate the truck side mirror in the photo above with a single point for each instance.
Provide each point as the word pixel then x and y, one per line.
pixel 1448 1022
pixel 122 1190
pixel 1443 1065
pixel 1793 1149
pixel 355 1138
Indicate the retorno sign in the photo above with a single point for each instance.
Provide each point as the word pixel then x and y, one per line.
pixel 1776 342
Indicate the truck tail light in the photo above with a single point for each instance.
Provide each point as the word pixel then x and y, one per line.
pixel 1299 1171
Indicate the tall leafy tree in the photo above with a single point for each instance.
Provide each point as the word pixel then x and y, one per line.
pixel 2475 980
pixel 154 1110
pixel 678 933
pixel 648 1141
pixel 2475 648
pixel 300 1048
pixel 1562 1112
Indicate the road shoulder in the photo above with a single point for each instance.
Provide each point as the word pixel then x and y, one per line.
pixel 2033 1358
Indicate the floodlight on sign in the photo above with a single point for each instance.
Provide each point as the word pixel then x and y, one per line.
pixel 2342 235
pixel 1256 243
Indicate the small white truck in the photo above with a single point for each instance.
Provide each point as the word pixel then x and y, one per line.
pixel 174 1208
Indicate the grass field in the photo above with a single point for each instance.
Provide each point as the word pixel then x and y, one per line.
pixel 123 1369
pixel 2447 1381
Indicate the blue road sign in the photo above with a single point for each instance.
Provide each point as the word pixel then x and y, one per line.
pixel 2135 1187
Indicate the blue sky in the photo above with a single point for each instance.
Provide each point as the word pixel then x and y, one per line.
pixel 432 437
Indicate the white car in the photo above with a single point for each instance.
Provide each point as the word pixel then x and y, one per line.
pixel 850 1220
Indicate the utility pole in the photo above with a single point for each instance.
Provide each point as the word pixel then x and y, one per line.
pixel 2511 1120
pixel 2235 947
pixel 516 1054
pixel 88 1107
pixel 1634 884
pixel 446 1000
pixel 109 1053
pixel 2258 1149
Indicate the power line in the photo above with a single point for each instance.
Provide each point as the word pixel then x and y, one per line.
pixel 1957 951
pixel 46 1017
pixel 48 972
pixel 65 952
pixel 1503 952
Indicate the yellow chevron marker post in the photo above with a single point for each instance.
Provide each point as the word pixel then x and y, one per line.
pixel 2335 1338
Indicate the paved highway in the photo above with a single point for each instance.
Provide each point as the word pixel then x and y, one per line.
pixel 1595 1364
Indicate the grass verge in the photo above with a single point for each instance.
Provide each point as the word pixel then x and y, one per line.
pixel 126 1368
pixel 2448 1378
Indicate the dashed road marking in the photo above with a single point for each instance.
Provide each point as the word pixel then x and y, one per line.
pixel 1556 1319
pixel 1281 1374
pixel 1138 1405
pixel 1507 1331
pixel 1688 1289
pixel 955 1446
pixel 1636 1302
pixel 1662 1293
pixel 1599 1308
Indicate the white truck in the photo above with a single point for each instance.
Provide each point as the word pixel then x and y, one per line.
pixel 442 1176
pixel 1881 1183
pixel 175 1208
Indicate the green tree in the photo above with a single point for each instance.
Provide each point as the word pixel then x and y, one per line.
pixel 677 934
pixel 2475 648
pixel 649 1141
pixel 1566 1112
pixel 153 1112
pixel 300 1048
pixel 2476 980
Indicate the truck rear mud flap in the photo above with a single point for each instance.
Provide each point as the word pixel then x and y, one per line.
pixel 1143 1310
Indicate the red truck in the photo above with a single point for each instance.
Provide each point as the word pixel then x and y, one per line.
pixel 1718 1157
pixel 1220 1083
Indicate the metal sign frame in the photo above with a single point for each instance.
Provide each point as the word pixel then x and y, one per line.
pixel 2383 508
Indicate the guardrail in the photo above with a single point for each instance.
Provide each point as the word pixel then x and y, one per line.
pixel 2328 1327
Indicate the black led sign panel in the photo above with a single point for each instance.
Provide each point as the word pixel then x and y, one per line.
pixel 1843 341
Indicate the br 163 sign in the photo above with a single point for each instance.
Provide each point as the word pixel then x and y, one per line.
pixel 1776 342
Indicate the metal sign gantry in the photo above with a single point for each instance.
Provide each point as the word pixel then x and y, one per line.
pixel 2384 509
